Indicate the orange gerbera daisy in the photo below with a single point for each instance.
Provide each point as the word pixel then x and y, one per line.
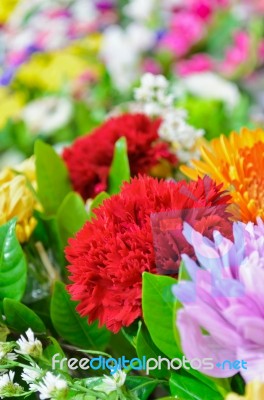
pixel 238 163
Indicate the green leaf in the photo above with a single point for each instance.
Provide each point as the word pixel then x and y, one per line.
pixel 146 348
pixel 70 326
pixel 52 177
pixel 51 350
pixel 13 267
pixel 71 216
pixel 131 332
pixel 141 386
pixel 19 317
pixel 97 201
pixel 55 240
pixel 120 170
pixel 187 387
pixel 158 311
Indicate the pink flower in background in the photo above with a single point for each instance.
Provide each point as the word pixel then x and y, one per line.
pixel 198 63
pixel 186 30
pixel 238 53
pixel 205 8
pixel 151 66
pixel 202 8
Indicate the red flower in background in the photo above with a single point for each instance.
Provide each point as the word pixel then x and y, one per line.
pixel 110 253
pixel 89 158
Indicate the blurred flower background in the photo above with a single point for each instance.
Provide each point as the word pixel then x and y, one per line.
pixel 65 64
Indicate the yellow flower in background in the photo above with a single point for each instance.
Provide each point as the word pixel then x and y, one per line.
pixel 10 105
pixel 254 391
pixel 238 163
pixel 6 8
pixel 51 71
pixel 17 198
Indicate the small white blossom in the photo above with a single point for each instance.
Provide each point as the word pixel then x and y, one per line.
pixel 30 375
pixel 29 345
pixel 112 383
pixel 153 94
pixel 7 385
pixel 50 387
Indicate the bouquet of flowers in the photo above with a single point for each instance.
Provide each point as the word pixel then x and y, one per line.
pixel 132 200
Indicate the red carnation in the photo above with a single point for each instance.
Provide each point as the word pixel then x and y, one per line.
pixel 110 253
pixel 89 158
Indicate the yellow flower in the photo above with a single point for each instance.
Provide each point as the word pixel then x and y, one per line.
pixel 238 163
pixel 52 71
pixel 17 198
pixel 254 391
pixel 6 8
pixel 11 105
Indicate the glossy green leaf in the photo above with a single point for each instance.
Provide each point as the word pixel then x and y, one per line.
pixel 187 387
pixel 146 348
pixel 141 386
pixel 52 177
pixel 120 170
pixel 19 317
pixel 70 326
pixel 158 311
pixel 55 349
pixel 71 216
pixel 13 266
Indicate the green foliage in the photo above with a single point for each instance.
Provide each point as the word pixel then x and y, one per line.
pixel 13 266
pixel 141 386
pixel 187 387
pixel 158 311
pixel 52 177
pixel 71 216
pixel 120 170
pixel 19 317
pixel 70 326
pixel 146 348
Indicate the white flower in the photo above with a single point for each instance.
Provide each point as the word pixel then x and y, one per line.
pixel 140 10
pixel 112 383
pixel 50 387
pixel 48 114
pixel 121 50
pixel 153 94
pixel 30 375
pixel 211 86
pixel 7 385
pixel 175 129
pixel 30 345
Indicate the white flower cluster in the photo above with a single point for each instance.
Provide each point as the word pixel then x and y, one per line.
pixel 47 385
pixel 50 387
pixel 7 386
pixel 111 384
pixel 155 99
pixel 29 345
pixel 153 95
